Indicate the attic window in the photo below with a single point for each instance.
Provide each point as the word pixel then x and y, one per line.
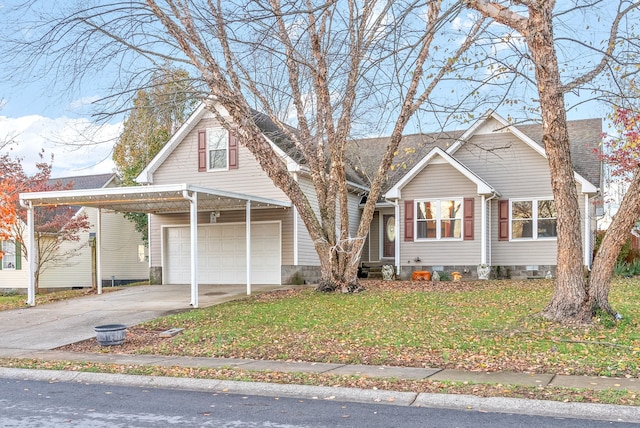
pixel 217 149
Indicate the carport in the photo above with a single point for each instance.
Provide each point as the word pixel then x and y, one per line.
pixel 156 199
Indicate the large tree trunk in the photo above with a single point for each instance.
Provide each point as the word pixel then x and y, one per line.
pixel 614 239
pixel 569 301
pixel 339 266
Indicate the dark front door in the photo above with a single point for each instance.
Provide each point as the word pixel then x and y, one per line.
pixel 389 236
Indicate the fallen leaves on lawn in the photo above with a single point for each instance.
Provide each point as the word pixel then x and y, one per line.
pixel 483 326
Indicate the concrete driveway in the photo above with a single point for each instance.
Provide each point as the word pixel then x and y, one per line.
pixel 56 324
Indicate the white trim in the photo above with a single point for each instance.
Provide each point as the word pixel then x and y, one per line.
pixel 483 230
pixel 248 246
pixel 483 188
pixel 398 238
pixel 221 130
pixel 380 236
pixel 31 236
pixel 99 250
pixel 438 219
pixel 192 197
pixel 296 235
pixel 107 197
pixel 534 220
pixel 587 233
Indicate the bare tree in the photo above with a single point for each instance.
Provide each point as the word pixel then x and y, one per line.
pixel 57 229
pixel 319 66
pixel 573 299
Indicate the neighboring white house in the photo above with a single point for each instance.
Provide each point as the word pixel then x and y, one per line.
pixel 124 255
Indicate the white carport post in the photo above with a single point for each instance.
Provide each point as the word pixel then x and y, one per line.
pixel 248 238
pixel 98 251
pixel 192 197
pixel 31 252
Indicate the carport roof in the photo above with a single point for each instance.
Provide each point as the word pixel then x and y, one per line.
pixel 150 199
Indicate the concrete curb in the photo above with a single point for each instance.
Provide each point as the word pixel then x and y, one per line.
pixel 603 412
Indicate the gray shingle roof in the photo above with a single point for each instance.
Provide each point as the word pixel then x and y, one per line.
pixel 280 139
pixel 585 137
pixel 80 182
pixel 364 155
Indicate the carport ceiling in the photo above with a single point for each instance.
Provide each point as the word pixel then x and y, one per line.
pixel 150 199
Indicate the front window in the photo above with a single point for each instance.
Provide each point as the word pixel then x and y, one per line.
pixel 533 219
pixel 217 148
pixel 9 255
pixel 439 219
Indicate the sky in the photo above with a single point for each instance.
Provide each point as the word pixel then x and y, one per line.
pixel 35 121
pixel 38 114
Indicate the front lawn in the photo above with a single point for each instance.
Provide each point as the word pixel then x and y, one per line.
pixel 489 326
pixel 17 300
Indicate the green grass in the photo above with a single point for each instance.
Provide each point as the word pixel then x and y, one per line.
pixel 15 300
pixel 481 326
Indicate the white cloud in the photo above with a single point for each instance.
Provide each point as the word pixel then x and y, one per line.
pixel 80 147
pixel 83 102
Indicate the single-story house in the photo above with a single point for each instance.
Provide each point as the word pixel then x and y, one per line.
pixel 453 200
pixel 124 254
pixel 482 196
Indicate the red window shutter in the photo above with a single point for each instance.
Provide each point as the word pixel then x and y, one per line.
pixel 408 220
pixel 202 150
pixel 233 150
pixel 468 218
pixel 503 220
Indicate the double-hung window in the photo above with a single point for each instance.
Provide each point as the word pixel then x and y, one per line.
pixel 533 219
pixel 217 148
pixel 9 254
pixel 439 219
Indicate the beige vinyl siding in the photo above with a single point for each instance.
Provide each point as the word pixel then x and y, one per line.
pixel 307 255
pixel 74 272
pixel 354 213
pixel 119 249
pixel 236 216
pixel 517 171
pixel 441 180
pixel 373 246
pixel 507 164
pixel 119 254
pixel 182 167
pixel 15 278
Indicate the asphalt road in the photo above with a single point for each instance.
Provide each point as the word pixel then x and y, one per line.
pixel 28 403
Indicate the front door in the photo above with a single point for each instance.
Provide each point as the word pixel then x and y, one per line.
pixel 389 236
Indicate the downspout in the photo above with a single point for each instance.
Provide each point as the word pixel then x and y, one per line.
pixel 396 215
pixel 295 228
pixel 193 225
pixel 587 234
pixel 31 253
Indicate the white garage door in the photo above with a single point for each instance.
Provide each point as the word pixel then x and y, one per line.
pixel 222 254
